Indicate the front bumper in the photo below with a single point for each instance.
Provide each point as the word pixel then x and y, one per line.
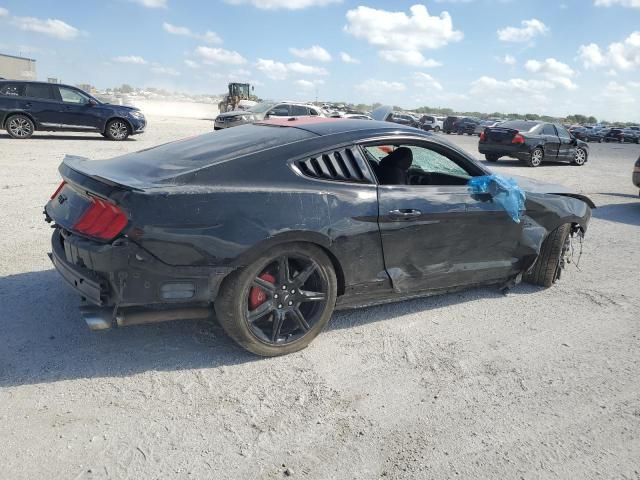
pixel 124 274
pixel 138 125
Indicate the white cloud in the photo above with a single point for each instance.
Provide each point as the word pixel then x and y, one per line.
pixel 623 55
pixel 424 80
pixel 152 3
pixel 380 87
pixel 591 56
pixel 346 58
pixel 485 85
pixel 284 4
pixel 308 84
pixel 191 64
pixel 51 27
pixel 220 55
pixel 279 71
pixel 554 71
pixel 160 70
pixel 209 37
pixel 530 29
pixel 622 3
pixel 4 12
pixel 408 57
pixel 314 52
pixel 133 59
pixel 508 59
pixel 402 37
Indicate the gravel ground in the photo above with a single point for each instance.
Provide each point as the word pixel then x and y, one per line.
pixel 535 384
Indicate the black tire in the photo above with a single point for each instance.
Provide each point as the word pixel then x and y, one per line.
pixel 285 304
pixel 492 157
pixel 536 157
pixel 600 140
pixel 19 126
pixel 437 129
pixel 546 270
pixel 117 130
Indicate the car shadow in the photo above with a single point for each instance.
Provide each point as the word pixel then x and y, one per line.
pixel 621 195
pixel 45 340
pixel 628 213
pixel 64 137
pixel 513 162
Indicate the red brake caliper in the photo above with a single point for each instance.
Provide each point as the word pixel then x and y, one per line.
pixel 257 296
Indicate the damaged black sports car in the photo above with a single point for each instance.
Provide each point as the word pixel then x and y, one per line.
pixel 276 224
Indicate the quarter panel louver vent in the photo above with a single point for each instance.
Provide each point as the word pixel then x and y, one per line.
pixel 344 165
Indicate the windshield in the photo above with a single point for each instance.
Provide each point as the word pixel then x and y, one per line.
pixel 260 107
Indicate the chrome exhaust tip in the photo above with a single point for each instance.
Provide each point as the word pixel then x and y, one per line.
pixel 97 318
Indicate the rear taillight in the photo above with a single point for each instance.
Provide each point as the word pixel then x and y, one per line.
pixel 483 137
pixel 101 220
pixel 60 187
pixel 517 139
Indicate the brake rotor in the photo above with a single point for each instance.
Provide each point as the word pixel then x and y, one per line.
pixel 257 296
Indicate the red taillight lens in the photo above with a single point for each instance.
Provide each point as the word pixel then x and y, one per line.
pixel 483 137
pixel 101 220
pixel 60 187
pixel 517 139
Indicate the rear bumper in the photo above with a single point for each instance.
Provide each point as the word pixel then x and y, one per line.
pixel 517 151
pixel 123 274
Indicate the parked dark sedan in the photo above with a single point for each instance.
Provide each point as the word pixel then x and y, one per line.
pixel 26 107
pixel 532 142
pixel 449 124
pixel 631 135
pixel 278 223
pixel 614 135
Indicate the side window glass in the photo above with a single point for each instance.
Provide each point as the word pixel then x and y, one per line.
pixel 36 90
pixel 313 112
pixel 433 162
pixel 280 111
pixel 11 90
pixel 548 130
pixel 299 111
pixel 562 132
pixel 71 96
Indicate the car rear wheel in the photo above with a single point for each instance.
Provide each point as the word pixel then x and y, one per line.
pixel 492 158
pixel 20 126
pixel 580 157
pixel 280 302
pixel 437 129
pixel 117 130
pixel 551 260
pixel 536 157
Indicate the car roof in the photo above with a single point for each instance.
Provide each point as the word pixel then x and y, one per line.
pixel 6 80
pixel 330 126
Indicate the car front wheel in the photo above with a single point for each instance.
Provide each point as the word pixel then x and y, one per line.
pixel 280 302
pixel 492 158
pixel 536 157
pixel 580 157
pixel 551 260
pixel 20 126
pixel 117 129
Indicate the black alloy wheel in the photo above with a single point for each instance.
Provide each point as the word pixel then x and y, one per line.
pixel 280 302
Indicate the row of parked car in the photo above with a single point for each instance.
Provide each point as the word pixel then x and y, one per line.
pixel 602 134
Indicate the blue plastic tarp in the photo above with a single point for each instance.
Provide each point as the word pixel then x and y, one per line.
pixel 503 190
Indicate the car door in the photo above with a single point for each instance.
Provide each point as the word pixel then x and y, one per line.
pixel 567 148
pixel 435 234
pixel 551 141
pixel 39 101
pixel 76 110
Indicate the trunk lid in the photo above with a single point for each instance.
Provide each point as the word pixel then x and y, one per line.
pixel 499 135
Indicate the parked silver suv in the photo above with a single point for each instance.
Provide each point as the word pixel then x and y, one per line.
pixel 266 110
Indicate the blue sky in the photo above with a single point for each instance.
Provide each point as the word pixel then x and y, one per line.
pixel 571 56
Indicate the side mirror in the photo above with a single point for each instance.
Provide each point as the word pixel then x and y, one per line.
pixel 92 102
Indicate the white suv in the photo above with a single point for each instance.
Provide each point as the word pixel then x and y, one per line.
pixel 430 122
pixel 264 111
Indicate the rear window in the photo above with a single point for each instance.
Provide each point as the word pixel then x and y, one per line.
pixel 37 90
pixel 520 125
pixel 11 89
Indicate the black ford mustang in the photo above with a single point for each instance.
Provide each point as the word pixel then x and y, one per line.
pixel 275 224
pixel 532 142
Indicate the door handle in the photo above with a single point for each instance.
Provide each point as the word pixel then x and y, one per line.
pixel 27 105
pixel 405 213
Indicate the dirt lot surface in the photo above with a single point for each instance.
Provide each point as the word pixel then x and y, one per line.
pixel 535 384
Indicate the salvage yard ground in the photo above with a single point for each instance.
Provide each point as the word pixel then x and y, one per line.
pixel 538 383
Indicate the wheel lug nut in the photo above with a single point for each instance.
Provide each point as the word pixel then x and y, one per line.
pixel 275 296
pixel 290 303
pixel 279 306
pixel 284 287
pixel 293 291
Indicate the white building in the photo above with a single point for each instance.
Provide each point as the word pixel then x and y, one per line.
pixel 17 68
